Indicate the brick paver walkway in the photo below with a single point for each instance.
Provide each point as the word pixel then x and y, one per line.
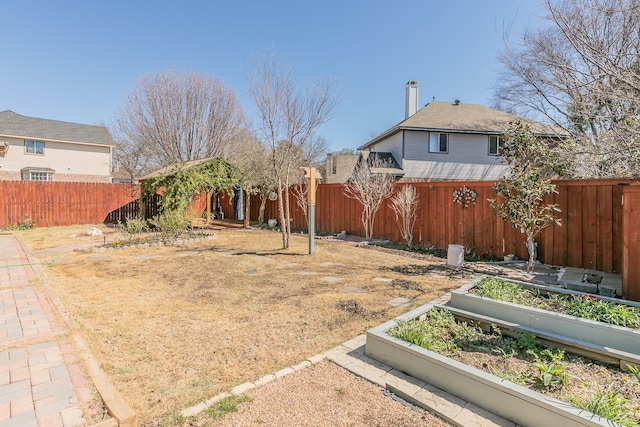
pixel 41 382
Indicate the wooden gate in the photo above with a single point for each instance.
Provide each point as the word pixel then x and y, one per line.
pixel 631 242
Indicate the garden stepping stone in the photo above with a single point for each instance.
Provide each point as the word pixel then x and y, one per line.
pixel 382 279
pixel 353 290
pixel 262 258
pixel 61 261
pixel 400 302
pixel 143 257
pixel 331 279
pixel 228 255
pixel 100 257
pixel 188 253
pixel 308 273
pixel 290 264
pixel 251 271
pixel 329 264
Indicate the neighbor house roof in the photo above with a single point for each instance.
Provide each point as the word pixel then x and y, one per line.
pixel 458 117
pixel 15 125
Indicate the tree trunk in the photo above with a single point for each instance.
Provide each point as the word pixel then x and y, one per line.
pixel 247 198
pixel 263 205
pixel 282 216
pixel 531 248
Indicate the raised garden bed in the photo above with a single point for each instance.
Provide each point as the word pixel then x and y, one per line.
pixel 622 338
pixel 507 399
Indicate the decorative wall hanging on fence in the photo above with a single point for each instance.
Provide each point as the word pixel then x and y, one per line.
pixel 465 196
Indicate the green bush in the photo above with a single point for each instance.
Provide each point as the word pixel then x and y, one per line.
pixel 133 226
pixel 171 223
pixel 26 224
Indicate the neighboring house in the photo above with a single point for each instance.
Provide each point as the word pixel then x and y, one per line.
pixel 449 140
pixel 33 149
pixel 339 167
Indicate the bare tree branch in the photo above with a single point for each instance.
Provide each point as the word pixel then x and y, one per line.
pixel 582 73
pixel 170 118
pixel 288 122
pixel 370 189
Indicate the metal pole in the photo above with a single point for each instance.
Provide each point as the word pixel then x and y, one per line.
pixel 312 227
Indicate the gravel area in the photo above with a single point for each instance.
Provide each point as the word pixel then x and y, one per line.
pixel 324 394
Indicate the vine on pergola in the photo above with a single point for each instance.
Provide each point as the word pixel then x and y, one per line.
pixel 187 183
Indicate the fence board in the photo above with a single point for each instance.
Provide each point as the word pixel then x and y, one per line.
pixel 604 224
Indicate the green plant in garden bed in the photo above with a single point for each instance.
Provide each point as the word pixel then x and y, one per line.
pixel 584 306
pixel 552 374
pixel 522 360
pixel 610 404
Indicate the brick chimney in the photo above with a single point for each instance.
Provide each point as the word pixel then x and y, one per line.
pixel 411 106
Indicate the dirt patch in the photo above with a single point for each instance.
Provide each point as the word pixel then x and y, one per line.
pixel 173 331
pixel 324 395
pixel 354 307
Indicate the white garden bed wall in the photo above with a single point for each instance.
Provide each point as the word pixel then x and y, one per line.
pixel 617 337
pixel 511 401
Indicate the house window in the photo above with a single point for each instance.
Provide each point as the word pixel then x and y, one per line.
pixel 495 144
pixel 438 142
pixel 34 147
pixel 40 176
pixel 37 174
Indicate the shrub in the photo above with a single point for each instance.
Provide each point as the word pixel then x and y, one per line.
pixel 26 224
pixel 170 223
pixel 133 226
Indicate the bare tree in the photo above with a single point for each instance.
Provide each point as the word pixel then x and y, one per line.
pixel 170 118
pixel 288 121
pixel 301 194
pixel 582 73
pixel 370 184
pixel 405 207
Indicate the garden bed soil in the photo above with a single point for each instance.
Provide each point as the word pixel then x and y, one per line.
pixel 498 355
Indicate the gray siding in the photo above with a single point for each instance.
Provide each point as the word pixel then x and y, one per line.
pixel 392 145
pixel 467 158
pixel 426 169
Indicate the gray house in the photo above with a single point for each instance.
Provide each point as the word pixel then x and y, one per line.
pixel 449 140
pixel 34 149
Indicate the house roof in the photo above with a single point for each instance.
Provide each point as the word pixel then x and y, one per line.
pixel 15 125
pixel 463 118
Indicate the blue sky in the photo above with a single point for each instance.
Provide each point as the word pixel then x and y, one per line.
pixel 77 60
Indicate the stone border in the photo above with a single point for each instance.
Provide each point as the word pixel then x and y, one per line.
pixel 250 385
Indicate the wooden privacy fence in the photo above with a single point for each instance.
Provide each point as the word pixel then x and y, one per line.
pixel 61 203
pixel 132 210
pixel 590 236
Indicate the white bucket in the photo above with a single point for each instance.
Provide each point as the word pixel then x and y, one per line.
pixel 455 256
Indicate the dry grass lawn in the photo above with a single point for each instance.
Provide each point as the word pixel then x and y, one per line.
pixel 177 329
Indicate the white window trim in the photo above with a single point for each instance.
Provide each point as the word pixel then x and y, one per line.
pixel 47 175
pixel 35 146
pixel 438 142
pixel 498 144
